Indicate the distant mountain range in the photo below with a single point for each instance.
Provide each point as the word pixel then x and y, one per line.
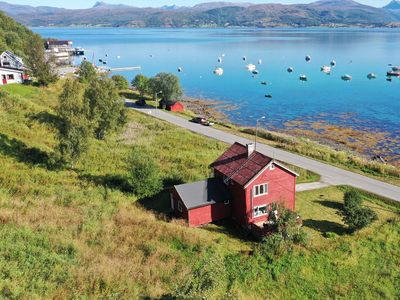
pixel 324 13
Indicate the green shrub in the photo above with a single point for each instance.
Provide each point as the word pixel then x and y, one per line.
pixel 330 235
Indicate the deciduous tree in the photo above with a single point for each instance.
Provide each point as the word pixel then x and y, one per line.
pixel 168 84
pixel 140 82
pixel 87 70
pixel 42 65
pixel 121 83
pixel 73 127
pixel 107 109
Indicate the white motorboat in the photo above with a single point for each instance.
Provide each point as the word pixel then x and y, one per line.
pixel 326 68
pixel 250 67
pixel 218 71
pixel 346 77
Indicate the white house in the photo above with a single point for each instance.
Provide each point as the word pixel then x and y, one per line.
pixel 11 68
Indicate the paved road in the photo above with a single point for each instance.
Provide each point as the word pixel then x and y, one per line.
pixel 329 175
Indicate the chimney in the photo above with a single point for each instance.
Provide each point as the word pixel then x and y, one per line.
pixel 250 149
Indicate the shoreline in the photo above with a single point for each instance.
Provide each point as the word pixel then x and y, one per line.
pixel 209 110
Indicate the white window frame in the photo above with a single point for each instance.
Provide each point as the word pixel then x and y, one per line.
pixel 272 166
pixel 225 179
pixel 180 205
pixel 261 210
pixel 257 189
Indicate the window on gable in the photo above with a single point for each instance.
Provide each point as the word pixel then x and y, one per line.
pixel 180 206
pixel 261 189
pixel 260 210
pixel 225 179
pixel 272 167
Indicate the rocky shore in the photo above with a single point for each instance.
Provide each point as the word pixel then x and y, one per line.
pixel 209 110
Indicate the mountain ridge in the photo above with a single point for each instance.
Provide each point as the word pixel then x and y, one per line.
pixel 323 13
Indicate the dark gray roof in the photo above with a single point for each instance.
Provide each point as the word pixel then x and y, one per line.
pixel 202 193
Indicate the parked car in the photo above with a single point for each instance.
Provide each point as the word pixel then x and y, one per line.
pixel 199 120
pixel 141 102
pixel 208 123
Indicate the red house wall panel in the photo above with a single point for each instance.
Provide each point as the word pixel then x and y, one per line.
pixel 210 213
pixel 281 188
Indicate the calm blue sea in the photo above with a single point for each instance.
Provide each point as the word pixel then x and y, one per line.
pixel 369 105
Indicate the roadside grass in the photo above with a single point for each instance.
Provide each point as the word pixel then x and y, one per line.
pixel 83 234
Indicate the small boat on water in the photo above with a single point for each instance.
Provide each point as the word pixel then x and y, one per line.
pixel 79 51
pixel 371 76
pixel 303 77
pixel 244 58
pixel 346 77
pixel 118 56
pixel 106 54
pixel 104 62
pixel 290 69
pixel 223 54
pixel 259 62
pixel 333 63
pixel 179 69
pixel 264 82
pixel 308 58
pixel 218 71
pixel 325 68
pixel 100 60
pixel 395 71
pixel 151 55
pixel 219 59
pixel 255 72
pixel 268 96
pixel 250 67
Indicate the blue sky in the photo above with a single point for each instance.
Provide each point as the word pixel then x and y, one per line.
pixel 79 4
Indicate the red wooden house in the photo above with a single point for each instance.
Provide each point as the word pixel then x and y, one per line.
pixel 245 184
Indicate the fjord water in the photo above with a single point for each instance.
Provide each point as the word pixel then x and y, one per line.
pixel 362 104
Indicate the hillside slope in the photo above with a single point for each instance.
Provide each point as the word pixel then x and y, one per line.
pixel 331 13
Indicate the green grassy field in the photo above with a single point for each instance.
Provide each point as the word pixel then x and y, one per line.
pixel 83 235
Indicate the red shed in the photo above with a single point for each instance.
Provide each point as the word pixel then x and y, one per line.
pixel 174 106
pixel 254 181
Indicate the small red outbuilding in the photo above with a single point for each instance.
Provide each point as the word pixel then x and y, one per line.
pixel 174 106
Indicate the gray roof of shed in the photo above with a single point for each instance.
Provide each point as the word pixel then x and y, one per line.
pixel 202 193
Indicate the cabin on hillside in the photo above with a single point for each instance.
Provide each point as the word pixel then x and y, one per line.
pixel 245 184
pixel 12 68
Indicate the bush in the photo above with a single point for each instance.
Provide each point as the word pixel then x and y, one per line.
pixel 143 174
pixel 353 214
pixel 330 235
